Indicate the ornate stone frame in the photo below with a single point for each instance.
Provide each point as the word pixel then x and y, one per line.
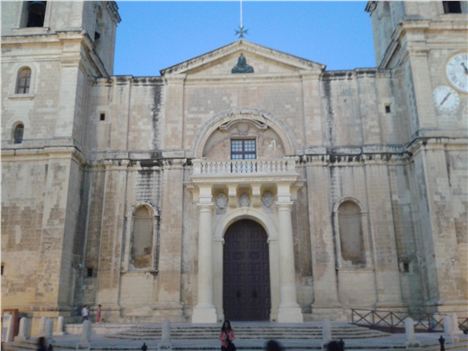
pixel 254 116
pixel 271 230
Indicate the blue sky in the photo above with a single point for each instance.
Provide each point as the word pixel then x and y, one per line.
pixel 155 35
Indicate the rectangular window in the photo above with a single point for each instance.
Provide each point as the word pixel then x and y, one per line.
pixel 243 149
pixel 452 6
pixel 102 116
pixel 388 109
pixel 36 13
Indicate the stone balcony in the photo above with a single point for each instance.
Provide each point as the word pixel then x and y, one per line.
pixel 244 170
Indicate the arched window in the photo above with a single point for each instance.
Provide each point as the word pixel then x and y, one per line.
pixel 18 133
pixel 351 238
pixel 142 238
pixel 23 81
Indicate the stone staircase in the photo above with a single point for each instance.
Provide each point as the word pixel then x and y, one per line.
pixel 249 331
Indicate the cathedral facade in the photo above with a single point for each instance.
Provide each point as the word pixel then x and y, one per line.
pixel 245 183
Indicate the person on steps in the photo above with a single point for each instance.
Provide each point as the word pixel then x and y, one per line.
pixel 226 337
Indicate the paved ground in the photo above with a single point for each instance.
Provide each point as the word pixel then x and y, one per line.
pixel 393 342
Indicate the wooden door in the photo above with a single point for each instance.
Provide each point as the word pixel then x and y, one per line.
pixel 246 272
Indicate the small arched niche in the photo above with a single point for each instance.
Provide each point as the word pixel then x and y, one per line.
pixel 351 233
pixel 236 140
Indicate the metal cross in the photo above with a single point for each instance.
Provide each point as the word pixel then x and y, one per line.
pixel 241 32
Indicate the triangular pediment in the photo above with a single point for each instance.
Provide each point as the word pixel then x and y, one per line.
pixel 263 60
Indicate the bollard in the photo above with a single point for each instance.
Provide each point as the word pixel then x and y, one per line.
pixel 449 331
pixel 8 323
pixel 24 332
pixel 326 332
pixel 60 326
pixel 49 330
pixel 165 343
pixel 455 327
pixel 409 333
pixel 85 340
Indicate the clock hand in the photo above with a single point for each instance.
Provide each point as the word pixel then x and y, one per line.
pixel 445 98
pixel 464 67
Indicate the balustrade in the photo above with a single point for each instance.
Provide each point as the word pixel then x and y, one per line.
pixel 244 167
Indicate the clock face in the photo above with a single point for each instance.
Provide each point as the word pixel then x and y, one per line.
pixel 446 99
pixel 457 71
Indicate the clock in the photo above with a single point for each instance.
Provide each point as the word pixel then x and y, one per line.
pixel 446 99
pixel 457 71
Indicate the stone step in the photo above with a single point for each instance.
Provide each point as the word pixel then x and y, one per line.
pixel 248 332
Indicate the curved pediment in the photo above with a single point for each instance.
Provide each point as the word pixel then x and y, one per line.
pixel 262 60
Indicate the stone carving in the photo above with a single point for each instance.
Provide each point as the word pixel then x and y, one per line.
pixel 267 199
pixel 242 66
pixel 221 201
pixel 244 200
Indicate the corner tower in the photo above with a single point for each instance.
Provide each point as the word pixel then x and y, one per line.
pixel 52 53
pixel 423 44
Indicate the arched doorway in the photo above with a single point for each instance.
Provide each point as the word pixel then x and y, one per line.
pixel 246 272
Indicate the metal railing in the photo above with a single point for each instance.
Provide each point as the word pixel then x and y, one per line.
pixel 395 321
pixel 244 167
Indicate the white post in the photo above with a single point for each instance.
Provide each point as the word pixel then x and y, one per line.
pixel 43 326
pixel 204 311
pixel 85 334
pixel 289 311
pixel 456 328
pixel 24 332
pixel 165 343
pixel 449 331
pixel 8 325
pixel 60 326
pixel 326 332
pixel 49 330
pixel 409 333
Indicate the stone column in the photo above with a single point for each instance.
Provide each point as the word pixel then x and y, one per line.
pixel 289 311
pixel 204 311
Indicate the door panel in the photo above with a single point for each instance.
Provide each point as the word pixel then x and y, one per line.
pixel 246 272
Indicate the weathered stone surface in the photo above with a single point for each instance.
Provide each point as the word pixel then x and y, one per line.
pixel 97 149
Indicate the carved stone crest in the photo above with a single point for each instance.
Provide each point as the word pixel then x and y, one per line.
pixel 267 199
pixel 221 201
pixel 244 200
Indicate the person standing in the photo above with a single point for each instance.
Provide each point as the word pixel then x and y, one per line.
pixel 84 313
pixel 98 314
pixel 226 337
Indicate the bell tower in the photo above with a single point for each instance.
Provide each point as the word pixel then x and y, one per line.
pixel 52 52
pixel 423 44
